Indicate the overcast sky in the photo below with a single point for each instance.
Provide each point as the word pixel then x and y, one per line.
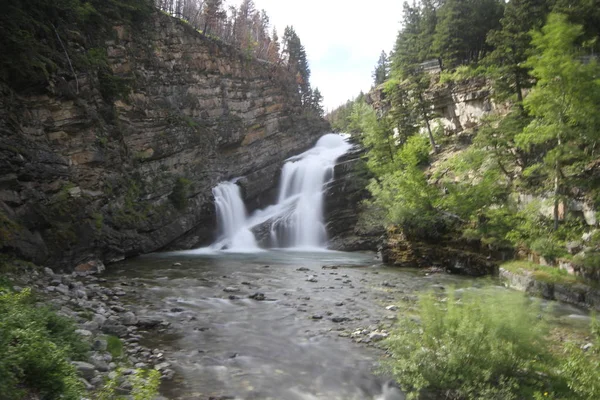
pixel 343 39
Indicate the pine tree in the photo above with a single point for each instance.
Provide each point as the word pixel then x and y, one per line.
pixel 213 11
pixel 460 35
pixel 512 45
pixel 317 102
pixel 274 48
pixel 297 62
pixel 380 74
pixel 563 103
pixel 406 48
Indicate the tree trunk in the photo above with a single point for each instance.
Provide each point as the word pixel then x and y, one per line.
pixel 426 119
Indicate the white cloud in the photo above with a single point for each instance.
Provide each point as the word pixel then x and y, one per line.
pixel 343 39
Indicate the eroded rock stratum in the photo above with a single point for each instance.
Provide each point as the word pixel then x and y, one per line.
pixel 122 162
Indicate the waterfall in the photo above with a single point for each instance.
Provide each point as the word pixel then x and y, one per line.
pixel 231 219
pixel 297 219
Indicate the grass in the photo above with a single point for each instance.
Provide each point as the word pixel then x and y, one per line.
pixel 542 273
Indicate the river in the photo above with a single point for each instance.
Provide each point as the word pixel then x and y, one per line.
pixel 294 344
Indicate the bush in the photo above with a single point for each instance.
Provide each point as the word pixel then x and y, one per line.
pixel 582 368
pixel 36 344
pixel 408 201
pixel 144 385
pixel 477 347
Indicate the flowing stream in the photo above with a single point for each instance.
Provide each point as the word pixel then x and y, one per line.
pixel 295 344
pixel 296 221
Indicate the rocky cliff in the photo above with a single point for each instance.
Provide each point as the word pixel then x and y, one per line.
pixel 457 106
pixel 343 197
pixel 121 161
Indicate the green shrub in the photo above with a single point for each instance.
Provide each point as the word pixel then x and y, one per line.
pixel 582 368
pixel 408 201
pixel 144 384
pixel 36 345
pixel 482 346
pixel 547 248
pixel 590 261
pixel 415 151
pixel 114 346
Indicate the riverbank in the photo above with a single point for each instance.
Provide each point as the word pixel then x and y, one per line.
pixel 551 284
pixel 109 331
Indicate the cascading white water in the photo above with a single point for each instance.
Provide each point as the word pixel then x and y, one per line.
pixel 231 219
pixel 297 218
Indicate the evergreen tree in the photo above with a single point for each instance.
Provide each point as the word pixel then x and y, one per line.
pixel 402 113
pixel 585 13
pixel 380 74
pixel 274 48
pixel 213 11
pixel 563 103
pixel 317 102
pixel 428 22
pixel 406 48
pixel 460 36
pixel 297 62
pixel 512 45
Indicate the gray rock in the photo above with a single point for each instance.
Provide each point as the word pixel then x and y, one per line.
pixel 168 374
pixel 378 335
pixel 91 326
pixel 88 386
pixel 84 332
pixel 48 271
pixel 312 278
pixel 99 319
pixel 87 370
pixel 148 323
pixel 162 366
pixel 340 319
pixel 257 296
pixel 62 289
pixel 129 318
pixel 392 308
pixel 99 362
pixel 100 345
pixel 113 328
pixel 231 289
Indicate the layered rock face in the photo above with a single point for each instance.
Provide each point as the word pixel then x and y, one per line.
pixel 457 106
pixel 122 161
pixel 343 199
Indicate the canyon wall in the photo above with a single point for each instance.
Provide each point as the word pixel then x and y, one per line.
pixel 121 161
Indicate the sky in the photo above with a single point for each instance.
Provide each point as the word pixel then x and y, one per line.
pixel 343 39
